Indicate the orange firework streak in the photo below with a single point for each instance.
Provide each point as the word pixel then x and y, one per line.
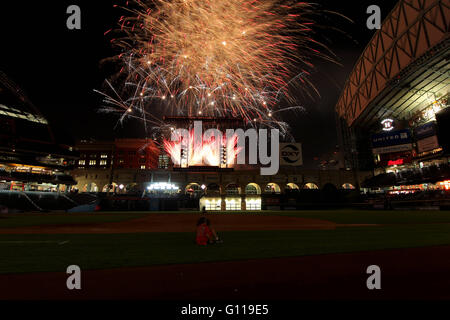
pixel 217 58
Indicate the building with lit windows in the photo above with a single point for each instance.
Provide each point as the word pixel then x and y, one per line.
pixel 143 168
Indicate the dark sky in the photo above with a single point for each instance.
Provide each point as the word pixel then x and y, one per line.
pixel 59 68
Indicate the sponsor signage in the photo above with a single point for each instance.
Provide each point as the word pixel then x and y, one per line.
pixel 291 154
pixel 395 159
pixel 427 144
pixel 397 162
pixel 387 124
pixel 393 138
pixel 425 131
pixel 392 149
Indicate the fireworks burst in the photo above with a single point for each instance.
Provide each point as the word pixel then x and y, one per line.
pixel 208 153
pixel 216 58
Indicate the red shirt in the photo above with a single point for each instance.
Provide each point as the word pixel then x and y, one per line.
pixel 203 234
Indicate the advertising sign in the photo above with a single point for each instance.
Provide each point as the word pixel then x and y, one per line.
pixel 427 144
pixel 425 131
pixel 395 159
pixel 392 149
pixel 291 154
pixel 393 138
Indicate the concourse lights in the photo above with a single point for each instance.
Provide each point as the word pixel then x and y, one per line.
pixel 162 186
pixel 121 186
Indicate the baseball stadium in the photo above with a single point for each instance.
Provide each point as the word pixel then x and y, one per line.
pixel 126 210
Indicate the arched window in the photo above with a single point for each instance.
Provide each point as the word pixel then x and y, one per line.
pixel 92 187
pixel 232 189
pixel 311 186
pixel 193 189
pixel 106 187
pixel 292 187
pixel 213 188
pixel 272 188
pixel 252 189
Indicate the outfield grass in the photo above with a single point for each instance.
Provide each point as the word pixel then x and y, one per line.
pixel 28 220
pixel 372 216
pixel 35 253
pixel 337 216
pixel 352 216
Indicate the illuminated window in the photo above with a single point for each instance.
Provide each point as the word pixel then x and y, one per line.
pixel 103 162
pixel 253 204
pixel 233 204
pixel 81 162
pixel 272 188
pixel 311 186
pixel 92 162
pixel 163 161
pixel 142 167
pixel 213 205
pixel 252 188
pixel 104 156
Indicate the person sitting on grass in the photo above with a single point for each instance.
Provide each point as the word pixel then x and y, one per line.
pixel 205 233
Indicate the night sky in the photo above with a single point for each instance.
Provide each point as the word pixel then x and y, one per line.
pixel 59 68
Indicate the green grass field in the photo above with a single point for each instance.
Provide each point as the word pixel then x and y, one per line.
pixel 337 216
pixel 35 253
pixel 29 220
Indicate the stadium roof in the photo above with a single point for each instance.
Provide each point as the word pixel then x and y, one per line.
pixel 404 68
pixel 15 103
pixel 17 113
